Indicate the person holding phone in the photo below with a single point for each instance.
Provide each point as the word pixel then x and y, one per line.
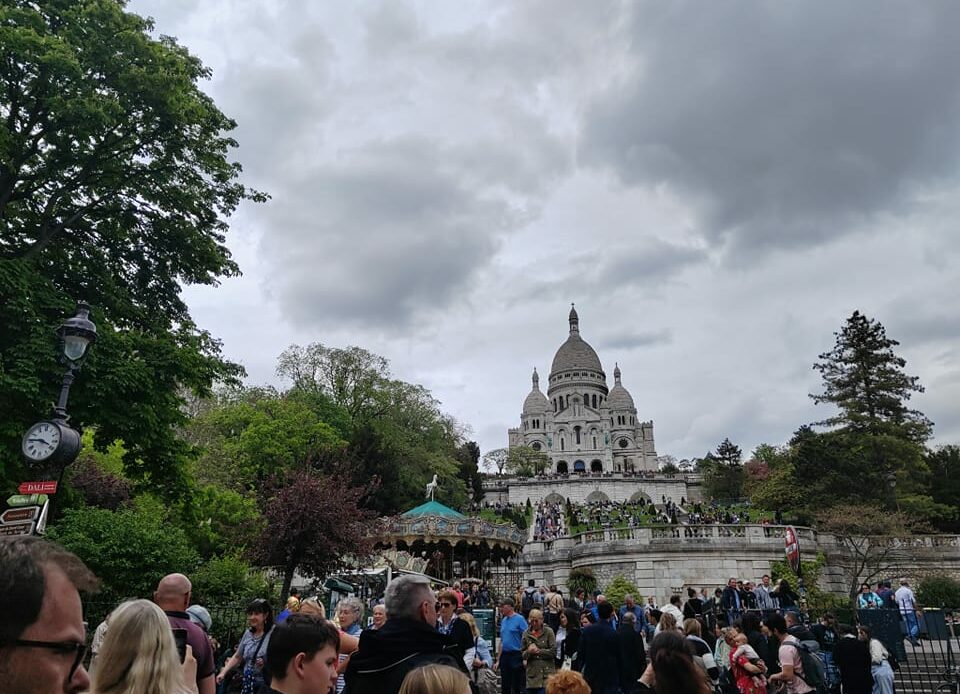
pixel 252 651
pixel 139 655
pixel 173 596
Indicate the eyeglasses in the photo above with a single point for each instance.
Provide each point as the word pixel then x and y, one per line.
pixel 63 647
pixel 444 604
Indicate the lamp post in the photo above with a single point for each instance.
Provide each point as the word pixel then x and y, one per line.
pixel 50 445
pixel 76 335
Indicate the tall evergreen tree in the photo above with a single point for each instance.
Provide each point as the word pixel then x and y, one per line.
pixel 864 378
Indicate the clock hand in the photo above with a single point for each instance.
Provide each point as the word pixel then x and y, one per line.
pixel 43 441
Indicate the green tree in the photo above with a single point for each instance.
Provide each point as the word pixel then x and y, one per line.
pixel 944 466
pixel 864 379
pixel 723 474
pixel 115 188
pixel 249 439
pixel 228 580
pixel 398 435
pixel 129 549
pixel 524 461
pixel 618 588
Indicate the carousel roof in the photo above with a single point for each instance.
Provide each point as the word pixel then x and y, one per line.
pixel 433 508
pixel 432 522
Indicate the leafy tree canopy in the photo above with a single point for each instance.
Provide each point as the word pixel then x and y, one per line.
pixel 115 188
pixel 312 523
pixel 129 549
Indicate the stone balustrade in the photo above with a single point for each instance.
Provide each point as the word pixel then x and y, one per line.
pixel 660 559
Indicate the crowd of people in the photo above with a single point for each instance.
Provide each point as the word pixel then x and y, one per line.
pixel 746 638
pixel 549 522
pixel 597 515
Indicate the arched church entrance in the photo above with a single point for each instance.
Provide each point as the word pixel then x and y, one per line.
pixel 579 466
pixel 554 498
pixel 596 466
pixel 562 467
pixel 637 497
pixel 597 497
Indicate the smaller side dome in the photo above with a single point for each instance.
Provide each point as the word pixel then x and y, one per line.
pixel 619 398
pixel 536 402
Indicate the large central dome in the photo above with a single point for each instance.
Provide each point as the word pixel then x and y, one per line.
pixel 575 353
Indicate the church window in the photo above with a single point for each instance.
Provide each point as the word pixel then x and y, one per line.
pixel 561 467
pixel 594 401
pixel 576 432
pixel 596 466
pixel 594 441
pixel 562 445
pixel 579 466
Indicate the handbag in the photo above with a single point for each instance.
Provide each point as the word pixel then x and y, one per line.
pixel 488 681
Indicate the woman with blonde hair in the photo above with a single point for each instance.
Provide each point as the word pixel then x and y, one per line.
pixel 667 623
pixel 435 679
pixel 139 655
pixel 539 647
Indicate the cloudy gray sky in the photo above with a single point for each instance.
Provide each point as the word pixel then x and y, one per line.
pixel 717 186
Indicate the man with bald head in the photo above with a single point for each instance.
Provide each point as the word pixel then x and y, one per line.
pixel 173 597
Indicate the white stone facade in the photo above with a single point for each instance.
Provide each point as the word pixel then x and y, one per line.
pixel 581 424
pixel 583 489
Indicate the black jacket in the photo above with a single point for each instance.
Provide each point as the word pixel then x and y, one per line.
pixel 852 657
pixel 386 655
pixel 633 656
pixel 600 656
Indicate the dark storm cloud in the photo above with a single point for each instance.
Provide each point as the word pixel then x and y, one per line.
pixel 783 123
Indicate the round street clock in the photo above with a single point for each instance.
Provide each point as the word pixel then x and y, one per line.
pixel 50 442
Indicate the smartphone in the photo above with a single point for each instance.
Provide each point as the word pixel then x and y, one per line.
pixel 180 638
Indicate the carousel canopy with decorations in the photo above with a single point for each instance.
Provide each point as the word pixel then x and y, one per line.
pixel 447 544
pixel 433 522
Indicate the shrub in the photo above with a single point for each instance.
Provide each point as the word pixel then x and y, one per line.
pixel 618 588
pixel 939 590
pixel 130 550
pixel 582 577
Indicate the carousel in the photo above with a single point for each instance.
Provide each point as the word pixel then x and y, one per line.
pixel 449 546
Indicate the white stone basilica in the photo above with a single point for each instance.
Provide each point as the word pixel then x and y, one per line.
pixel 579 423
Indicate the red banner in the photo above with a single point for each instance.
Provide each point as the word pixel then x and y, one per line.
pixel 792 548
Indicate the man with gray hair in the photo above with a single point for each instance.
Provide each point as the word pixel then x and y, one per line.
pixel 408 640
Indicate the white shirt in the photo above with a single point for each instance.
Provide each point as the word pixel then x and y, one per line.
pixel 905 600
pixel 675 611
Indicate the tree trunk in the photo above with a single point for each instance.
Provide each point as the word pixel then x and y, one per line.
pixel 287 580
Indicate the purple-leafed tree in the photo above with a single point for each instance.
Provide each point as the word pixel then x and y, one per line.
pixel 311 522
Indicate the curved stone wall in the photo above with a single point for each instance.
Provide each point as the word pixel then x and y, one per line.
pixel 662 560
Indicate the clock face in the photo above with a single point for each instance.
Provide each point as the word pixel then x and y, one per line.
pixel 41 441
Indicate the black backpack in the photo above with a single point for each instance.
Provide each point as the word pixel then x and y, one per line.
pixel 527 602
pixel 814 669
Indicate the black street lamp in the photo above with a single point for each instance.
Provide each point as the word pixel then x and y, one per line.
pixel 76 335
pixel 52 445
